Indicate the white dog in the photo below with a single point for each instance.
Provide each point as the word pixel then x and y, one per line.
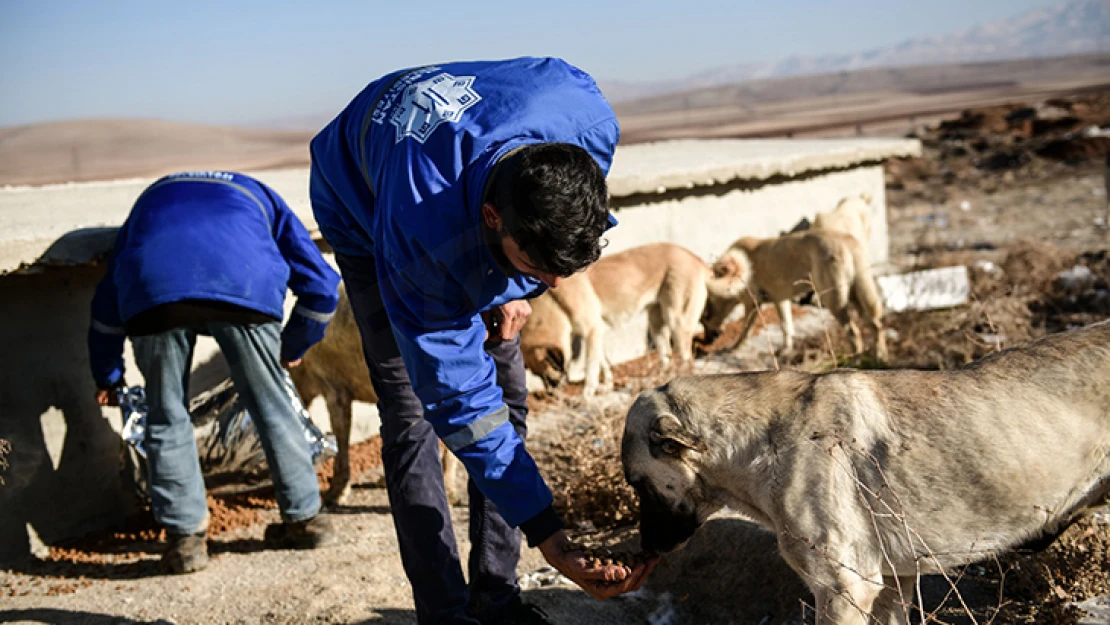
pixel 870 478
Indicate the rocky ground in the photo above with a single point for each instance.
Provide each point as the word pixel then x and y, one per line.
pixel 1015 193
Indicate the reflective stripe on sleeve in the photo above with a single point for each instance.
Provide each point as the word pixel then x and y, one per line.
pixel 477 430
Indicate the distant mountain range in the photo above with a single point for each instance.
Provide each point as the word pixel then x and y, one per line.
pixel 1076 27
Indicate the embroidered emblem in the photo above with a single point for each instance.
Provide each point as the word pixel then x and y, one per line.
pixel 427 104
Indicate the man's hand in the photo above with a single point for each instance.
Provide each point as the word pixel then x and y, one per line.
pixel 504 322
pixel 604 582
pixel 289 364
pixel 107 397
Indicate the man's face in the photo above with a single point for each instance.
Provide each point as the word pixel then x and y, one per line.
pixel 511 250
pixel 521 263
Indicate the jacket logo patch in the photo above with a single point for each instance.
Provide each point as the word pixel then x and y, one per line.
pixel 427 104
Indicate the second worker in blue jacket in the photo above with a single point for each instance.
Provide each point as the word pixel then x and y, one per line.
pixel 213 253
pixel 451 194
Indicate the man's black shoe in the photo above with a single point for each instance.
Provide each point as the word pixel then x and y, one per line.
pixel 517 613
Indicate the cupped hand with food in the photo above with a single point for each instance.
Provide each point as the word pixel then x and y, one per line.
pixel 602 579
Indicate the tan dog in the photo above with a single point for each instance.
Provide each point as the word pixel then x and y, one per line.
pixel 546 341
pixel 666 280
pixel 852 215
pixel 832 264
pixel 335 368
pixel 870 478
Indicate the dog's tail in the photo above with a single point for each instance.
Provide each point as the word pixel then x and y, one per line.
pixel 730 275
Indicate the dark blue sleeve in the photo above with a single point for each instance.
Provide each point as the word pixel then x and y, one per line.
pixel 106 333
pixel 311 278
pixel 456 381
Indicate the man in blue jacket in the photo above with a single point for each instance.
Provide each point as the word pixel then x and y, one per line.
pixel 451 194
pixel 213 253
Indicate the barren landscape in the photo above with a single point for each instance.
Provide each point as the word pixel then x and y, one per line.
pixel 1013 190
pixel 873 102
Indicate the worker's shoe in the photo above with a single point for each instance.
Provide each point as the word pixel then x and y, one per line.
pixel 307 534
pixel 186 553
pixel 516 613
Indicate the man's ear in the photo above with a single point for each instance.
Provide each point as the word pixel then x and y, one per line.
pixel 667 427
pixel 490 216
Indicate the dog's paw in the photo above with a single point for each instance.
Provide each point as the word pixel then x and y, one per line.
pixel 336 496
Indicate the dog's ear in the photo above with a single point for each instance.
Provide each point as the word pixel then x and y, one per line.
pixel 672 437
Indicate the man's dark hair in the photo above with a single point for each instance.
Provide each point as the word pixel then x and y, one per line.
pixel 553 201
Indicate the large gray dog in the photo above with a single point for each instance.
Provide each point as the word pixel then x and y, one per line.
pixel 870 478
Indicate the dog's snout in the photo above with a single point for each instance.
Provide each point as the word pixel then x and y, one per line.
pixel 663 528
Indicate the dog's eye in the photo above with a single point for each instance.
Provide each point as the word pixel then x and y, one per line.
pixel 670 447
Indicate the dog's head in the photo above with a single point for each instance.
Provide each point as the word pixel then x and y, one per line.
pixel 661 454
pixel 546 361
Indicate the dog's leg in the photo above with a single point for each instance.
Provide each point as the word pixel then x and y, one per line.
pixel 606 374
pixel 339 412
pixel 895 603
pixel 848 601
pixel 594 351
pixel 844 588
pixel 787 319
pixel 689 320
pixel 450 468
pixel 843 316
pixel 880 339
pixel 838 300
pixel 751 313
pixel 865 295
pixel 659 327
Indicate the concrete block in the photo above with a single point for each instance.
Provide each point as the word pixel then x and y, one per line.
pixel 944 287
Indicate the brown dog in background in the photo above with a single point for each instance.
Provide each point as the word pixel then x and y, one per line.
pixel 832 264
pixel 852 215
pixel 546 341
pixel 666 280
pixel 335 369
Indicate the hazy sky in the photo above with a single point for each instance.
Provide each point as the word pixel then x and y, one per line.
pixel 236 61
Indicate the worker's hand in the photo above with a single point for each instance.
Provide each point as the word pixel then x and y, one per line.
pixel 504 322
pixel 602 582
pixel 107 397
pixel 289 364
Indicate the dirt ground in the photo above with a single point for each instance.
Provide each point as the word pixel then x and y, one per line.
pixel 1015 195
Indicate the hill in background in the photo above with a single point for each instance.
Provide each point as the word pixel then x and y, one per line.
pixel 105 149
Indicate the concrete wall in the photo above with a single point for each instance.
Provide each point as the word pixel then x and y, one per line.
pixel 64 479
pixel 707 220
